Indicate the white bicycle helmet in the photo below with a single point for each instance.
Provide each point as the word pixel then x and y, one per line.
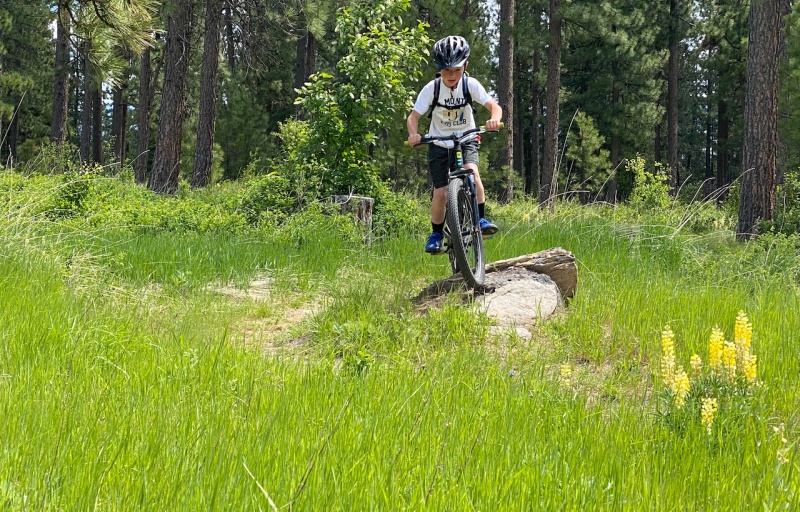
pixel 450 52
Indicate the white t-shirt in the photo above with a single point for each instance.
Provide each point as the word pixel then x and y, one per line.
pixel 445 122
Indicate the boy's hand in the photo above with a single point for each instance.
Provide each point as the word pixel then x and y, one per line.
pixel 492 125
pixel 415 139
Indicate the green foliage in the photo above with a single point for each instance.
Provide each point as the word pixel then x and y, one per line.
pixel 588 162
pixel 789 120
pixel 266 197
pixel 650 189
pixel 115 24
pixel 346 112
pixel 787 211
pixel 617 47
pixel 74 191
pixel 398 214
pixel 297 163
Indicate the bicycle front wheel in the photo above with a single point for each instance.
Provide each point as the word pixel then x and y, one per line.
pixel 465 233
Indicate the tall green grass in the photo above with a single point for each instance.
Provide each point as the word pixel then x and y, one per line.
pixel 128 382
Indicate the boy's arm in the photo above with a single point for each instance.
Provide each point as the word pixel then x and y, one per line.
pixel 412 124
pixel 496 112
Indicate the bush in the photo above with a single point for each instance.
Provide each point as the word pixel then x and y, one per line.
pixel 787 211
pixel 650 189
pixel 397 214
pixel 266 196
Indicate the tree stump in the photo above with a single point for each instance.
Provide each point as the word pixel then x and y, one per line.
pixel 361 208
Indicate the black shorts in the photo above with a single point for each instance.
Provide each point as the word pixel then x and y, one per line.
pixel 440 159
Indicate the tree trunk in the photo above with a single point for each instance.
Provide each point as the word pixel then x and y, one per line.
pixel 550 166
pixel 657 156
pixel 536 108
pixel 97 124
pixel 672 94
pixel 505 92
pixel 165 174
pixel 204 151
pixel 611 193
pixel 305 64
pixel 88 105
pixel 519 136
pixel 760 136
pixel 58 127
pixel 723 153
pixel 119 121
pixel 230 47
pixel 140 163
pixel 708 186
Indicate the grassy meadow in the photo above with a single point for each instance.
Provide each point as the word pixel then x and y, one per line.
pixel 138 373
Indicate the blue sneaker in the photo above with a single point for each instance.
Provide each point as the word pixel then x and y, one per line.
pixel 434 243
pixel 487 228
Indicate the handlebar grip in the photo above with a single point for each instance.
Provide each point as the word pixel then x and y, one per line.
pixel 501 126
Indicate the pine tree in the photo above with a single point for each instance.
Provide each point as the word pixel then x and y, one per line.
pixel 505 93
pixel 547 191
pixel 759 152
pixel 165 175
pixel 25 83
pixel 208 96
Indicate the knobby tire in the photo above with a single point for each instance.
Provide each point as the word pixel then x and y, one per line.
pixel 465 235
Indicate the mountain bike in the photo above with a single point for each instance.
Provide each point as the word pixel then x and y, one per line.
pixel 463 240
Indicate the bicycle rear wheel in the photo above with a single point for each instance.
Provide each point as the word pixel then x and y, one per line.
pixel 465 233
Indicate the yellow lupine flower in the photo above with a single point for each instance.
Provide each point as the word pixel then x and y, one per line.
pixel 729 359
pixel 680 387
pixel 750 367
pixel 566 374
pixel 696 363
pixel 708 409
pixel 668 356
pixel 743 330
pixel 715 346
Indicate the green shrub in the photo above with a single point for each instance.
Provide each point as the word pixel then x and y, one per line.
pixel 265 197
pixel 398 214
pixel 787 210
pixel 650 189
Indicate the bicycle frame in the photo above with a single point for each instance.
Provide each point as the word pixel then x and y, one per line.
pixel 467 178
pixel 463 237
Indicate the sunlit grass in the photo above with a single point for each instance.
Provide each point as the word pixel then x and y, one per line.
pixel 127 380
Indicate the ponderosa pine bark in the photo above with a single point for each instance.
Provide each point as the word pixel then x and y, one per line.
pixel 760 137
pixel 140 163
pixel 58 127
pixel 672 94
pixel 165 174
pixel 505 92
pixel 536 110
pixel 204 149
pixel 88 105
pixel 547 190
pixel 119 122
pixel 306 63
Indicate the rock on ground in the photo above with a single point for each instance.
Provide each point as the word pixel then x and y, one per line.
pixel 517 292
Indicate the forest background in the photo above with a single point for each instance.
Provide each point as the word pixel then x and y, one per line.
pixel 207 92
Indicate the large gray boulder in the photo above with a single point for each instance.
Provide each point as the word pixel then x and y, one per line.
pixel 517 292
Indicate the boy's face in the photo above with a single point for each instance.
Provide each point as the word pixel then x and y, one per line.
pixel 452 76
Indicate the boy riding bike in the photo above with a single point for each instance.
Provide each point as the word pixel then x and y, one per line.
pixel 451 111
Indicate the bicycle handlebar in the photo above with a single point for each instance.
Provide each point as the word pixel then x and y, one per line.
pixel 458 136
